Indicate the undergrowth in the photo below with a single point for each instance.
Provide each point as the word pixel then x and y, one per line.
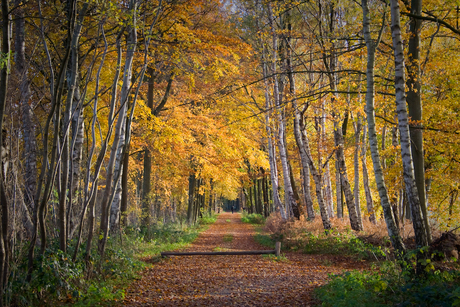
pixel 311 238
pixel 253 218
pixel 59 281
pixel 389 283
pixel 392 284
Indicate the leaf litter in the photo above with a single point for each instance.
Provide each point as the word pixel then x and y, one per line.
pixel 235 280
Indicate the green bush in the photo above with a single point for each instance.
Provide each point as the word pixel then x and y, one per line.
pixel 353 289
pixel 207 220
pixel 253 218
pixel 393 284
pixel 265 240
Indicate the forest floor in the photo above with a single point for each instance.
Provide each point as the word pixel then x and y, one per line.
pixel 252 280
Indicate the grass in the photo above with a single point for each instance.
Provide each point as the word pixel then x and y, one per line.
pixel 228 238
pixel 280 258
pixel 253 218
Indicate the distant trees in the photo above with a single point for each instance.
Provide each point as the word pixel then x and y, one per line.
pixel 318 50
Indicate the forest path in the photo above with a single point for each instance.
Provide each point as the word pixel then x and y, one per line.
pixel 250 280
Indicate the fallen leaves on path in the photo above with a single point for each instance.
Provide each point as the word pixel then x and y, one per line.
pixel 251 280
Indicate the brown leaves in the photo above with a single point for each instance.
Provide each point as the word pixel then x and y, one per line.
pixel 234 280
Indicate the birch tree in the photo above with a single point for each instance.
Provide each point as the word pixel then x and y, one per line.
pixel 371 45
pixel 403 124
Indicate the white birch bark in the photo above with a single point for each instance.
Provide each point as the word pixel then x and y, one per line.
pixel 327 173
pixel 304 163
pixel 288 192
pixel 120 130
pixel 393 231
pixel 271 147
pixel 317 177
pixel 403 123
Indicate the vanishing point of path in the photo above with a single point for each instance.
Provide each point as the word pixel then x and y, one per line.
pixel 251 280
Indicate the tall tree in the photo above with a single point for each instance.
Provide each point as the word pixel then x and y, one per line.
pixel 414 101
pixel 371 44
pixel 403 122
pixel 4 72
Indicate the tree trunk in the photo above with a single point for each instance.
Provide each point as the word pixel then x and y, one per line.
pixel 327 174
pixel 356 162
pixel 125 188
pixel 120 131
pixel 367 189
pixel 278 89
pixel 4 248
pixel 355 220
pixel 338 189
pixel 403 123
pixel 265 194
pixel 414 102
pixel 317 178
pixel 191 199
pixel 28 128
pixel 271 147
pixel 393 231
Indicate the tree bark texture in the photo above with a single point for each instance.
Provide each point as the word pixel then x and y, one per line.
pixel 28 128
pixel 393 231
pixel 414 101
pixel 403 124
pixel 317 178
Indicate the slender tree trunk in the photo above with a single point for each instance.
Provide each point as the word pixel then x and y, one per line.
pixel 317 178
pixel 338 189
pixel 90 195
pixel 403 123
pixel 414 101
pixel 124 99
pixel 304 164
pixel 265 194
pixel 367 189
pixel 355 221
pixel 278 89
pixel 28 128
pixel 124 184
pixel 327 173
pixel 393 231
pixel 75 26
pixel 78 137
pixel 191 199
pixel 271 147
pixel 4 248
pixel 356 164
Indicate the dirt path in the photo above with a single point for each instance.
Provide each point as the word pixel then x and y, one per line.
pixel 234 280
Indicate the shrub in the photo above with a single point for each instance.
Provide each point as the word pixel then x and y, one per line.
pixel 253 218
pixel 393 284
pixel 58 281
pixel 207 219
